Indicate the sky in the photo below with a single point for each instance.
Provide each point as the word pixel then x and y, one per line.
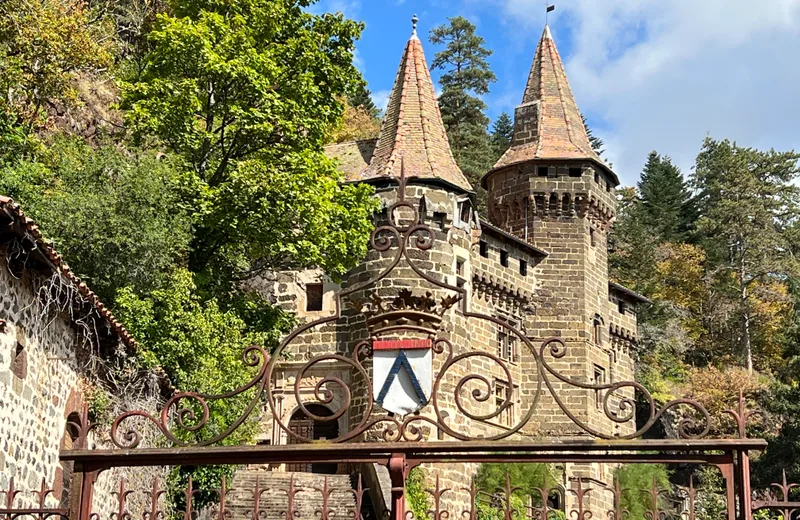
pixel 648 74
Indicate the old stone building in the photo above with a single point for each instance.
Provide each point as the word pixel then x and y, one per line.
pixel 536 269
pixel 55 337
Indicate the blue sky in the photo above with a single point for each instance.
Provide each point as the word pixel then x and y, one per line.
pixel 648 74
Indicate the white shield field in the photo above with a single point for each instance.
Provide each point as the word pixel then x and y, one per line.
pixel 401 377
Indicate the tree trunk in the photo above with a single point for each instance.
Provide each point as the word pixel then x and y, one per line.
pixel 744 296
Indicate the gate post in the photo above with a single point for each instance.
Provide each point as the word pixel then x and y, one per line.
pixel 81 493
pixel 398 471
pixel 743 479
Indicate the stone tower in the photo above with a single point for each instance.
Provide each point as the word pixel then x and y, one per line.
pixel 551 189
pixel 538 269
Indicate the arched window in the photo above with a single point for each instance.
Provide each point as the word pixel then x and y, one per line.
pixel 597 329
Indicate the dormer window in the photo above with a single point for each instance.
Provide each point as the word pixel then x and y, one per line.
pixel 463 213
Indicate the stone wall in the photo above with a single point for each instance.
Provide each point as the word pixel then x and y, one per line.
pixel 43 375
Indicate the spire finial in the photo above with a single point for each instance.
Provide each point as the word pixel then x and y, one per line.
pixel 414 21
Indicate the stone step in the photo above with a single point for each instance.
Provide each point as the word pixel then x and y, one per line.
pixel 307 492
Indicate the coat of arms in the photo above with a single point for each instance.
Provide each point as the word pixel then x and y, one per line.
pixel 403 329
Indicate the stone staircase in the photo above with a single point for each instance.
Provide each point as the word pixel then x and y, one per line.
pixel 308 495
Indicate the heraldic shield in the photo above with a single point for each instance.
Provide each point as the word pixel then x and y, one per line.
pixel 402 374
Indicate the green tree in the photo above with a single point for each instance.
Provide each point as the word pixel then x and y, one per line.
pixel 529 478
pixel 466 76
pixel 45 45
pixel 665 199
pixel 597 143
pixel 502 133
pixel 638 482
pixel 362 98
pixel 632 245
pixel 747 198
pixel 116 215
pixel 247 92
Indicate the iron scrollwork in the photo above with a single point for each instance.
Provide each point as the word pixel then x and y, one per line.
pixel 467 391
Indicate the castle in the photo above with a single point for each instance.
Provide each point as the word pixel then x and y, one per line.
pixel 537 269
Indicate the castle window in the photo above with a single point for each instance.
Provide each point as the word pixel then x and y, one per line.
pixel 504 258
pixel 575 172
pixel 597 177
pixel 621 307
pixel 484 249
pixel 461 280
pixel 523 268
pixel 313 297
pixel 542 171
pixel 599 379
pixel 463 212
pixel 597 330
pixel 502 392
pixel 592 237
pixel 507 340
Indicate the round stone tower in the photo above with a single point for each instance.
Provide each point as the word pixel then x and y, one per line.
pixel 551 189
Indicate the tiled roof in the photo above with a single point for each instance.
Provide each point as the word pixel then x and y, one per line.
pixel 412 129
pixel 560 132
pixel 18 218
pixel 353 157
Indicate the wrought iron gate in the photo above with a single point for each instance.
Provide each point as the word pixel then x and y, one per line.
pixel 456 417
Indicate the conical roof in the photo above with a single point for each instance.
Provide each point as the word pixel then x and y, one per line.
pixel 548 124
pixel 412 129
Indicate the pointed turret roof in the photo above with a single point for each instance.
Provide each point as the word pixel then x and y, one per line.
pixel 557 130
pixel 412 129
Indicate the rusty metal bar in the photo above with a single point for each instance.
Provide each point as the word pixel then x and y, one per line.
pixel 743 481
pixel 380 452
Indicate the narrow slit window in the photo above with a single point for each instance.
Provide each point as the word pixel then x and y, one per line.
pixel 313 297
pixel 592 237
pixel 484 249
pixel 523 268
pixel 504 258
pixel 599 379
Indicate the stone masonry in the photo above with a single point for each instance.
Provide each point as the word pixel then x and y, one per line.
pixel 538 264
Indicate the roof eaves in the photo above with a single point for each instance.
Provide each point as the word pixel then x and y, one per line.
pixel 15 213
pixel 535 251
pixel 598 162
pixel 624 290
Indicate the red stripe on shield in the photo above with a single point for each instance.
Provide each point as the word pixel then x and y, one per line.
pixel 400 344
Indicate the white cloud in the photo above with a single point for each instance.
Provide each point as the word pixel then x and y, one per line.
pixel 661 74
pixel 381 98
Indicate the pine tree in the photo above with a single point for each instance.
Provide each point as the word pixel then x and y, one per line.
pixel 502 133
pixel 596 142
pixel 362 98
pixel 667 205
pixel 466 76
pixel 748 199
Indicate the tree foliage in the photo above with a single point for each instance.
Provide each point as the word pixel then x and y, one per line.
pixel 637 481
pixel 466 76
pixel 665 199
pixel 45 45
pixel 116 215
pixel 748 198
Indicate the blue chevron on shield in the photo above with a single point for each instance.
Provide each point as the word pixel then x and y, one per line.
pixel 402 374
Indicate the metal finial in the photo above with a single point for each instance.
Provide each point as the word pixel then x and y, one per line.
pixel 414 21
